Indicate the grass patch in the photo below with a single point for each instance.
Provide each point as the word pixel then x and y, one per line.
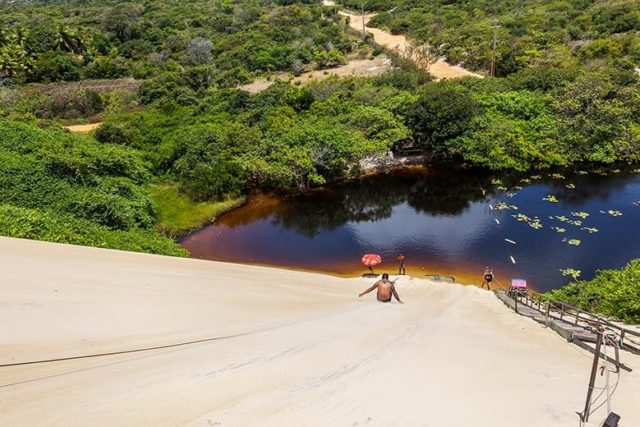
pixel 178 214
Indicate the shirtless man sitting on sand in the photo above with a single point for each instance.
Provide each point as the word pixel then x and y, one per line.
pixel 386 288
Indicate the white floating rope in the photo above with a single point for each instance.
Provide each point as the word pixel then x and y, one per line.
pixel 510 241
pixel 496 220
pixel 513 260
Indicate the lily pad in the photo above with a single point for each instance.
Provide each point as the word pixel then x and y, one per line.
pixel 525 180
pixel 551 199
pixel 557 176
pixel 535 224
pixel 571 272
pixel 572 242
pixel 535 177
pixel 583 215
pixel 590 230
pixel 496 181
pixel 562 218
pixel 570 186
pixel 614 213
pixel 583 173
pixel 502 188
pixel 559 229
pixel 521 217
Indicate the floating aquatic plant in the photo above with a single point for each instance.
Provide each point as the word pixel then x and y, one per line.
pixel 616 171
pixel 583 173
pixel 502 188
pixel 636 171
pixel 496 181
pixel 557 176
pixel 535 177
pixel 559 229
pixel 614 213
pixel 561 218
pixel 572 242
pixel 577 223
pixel 636 203
pixel 535 224
pixel 571 272
pixel 517 187
pixel 551 199
pixel 525 180
pixel 521 217
pixel 583 215
pixel 590 230
pixel 510 194
pixel 570 186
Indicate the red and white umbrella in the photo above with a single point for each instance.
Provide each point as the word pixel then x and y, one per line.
pixel 371 260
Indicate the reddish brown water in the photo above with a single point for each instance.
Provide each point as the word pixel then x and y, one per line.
pixel 441 221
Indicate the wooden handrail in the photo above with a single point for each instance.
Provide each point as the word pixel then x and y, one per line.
pixel 531 297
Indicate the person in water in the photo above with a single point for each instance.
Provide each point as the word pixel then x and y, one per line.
pixel 401 269
pixel 386 289
pixel 487 278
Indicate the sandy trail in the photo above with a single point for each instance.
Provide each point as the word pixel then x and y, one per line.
pixel 311 353
pixel 440 70
pixel 355 67
pixel 83 128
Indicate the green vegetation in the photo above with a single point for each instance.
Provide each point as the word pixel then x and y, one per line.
pixel 614 293
pixel 550 39
pixel 40 224
pixel 66 188
pixel 178 214
pixel 211 41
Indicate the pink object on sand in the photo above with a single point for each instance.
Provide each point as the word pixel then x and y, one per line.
pixel 518 283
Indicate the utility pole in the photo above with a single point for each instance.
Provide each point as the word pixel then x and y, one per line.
pixel 364 33
pixel 584 416
pixel 495 39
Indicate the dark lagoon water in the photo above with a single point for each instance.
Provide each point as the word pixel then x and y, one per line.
pixel 444 222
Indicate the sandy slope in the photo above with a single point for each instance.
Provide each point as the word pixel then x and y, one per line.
pixel 354 67
pixel 309 352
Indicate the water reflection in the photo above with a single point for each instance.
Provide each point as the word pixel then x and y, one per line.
pixel 440 220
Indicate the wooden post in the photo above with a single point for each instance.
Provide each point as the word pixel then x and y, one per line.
pixel 594 370
pixel 548 308
pixel 577 317
pixel 495 27
pixel 561 310
pixel 364 33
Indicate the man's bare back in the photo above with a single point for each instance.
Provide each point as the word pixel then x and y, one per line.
pixel 386 289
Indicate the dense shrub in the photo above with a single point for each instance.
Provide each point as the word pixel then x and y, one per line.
pixel 50 226
pixel 614 293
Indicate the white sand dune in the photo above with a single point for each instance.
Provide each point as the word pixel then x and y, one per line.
pixel 294 349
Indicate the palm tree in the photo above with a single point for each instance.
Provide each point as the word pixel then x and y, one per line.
pixel 67 39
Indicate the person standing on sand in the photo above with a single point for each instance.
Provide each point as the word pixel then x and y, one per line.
pixel 487 278
pixel 386 289
pixel 401 269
